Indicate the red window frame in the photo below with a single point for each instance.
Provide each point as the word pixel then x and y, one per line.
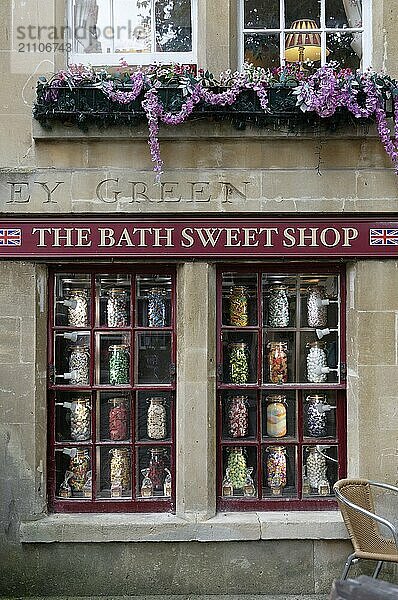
pixel 94 504
pixel 298 502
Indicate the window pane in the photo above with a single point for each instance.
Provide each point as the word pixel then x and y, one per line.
pixel 153 416
pixel 239 357
pixel 279 471
pixel 114 472
pixel 72 358
pixel 154 357
pixel 132 26
pixel 263 15
pixel 73 473
pixel 306 10
pixel 279 414
pixel 319 470
pixel 113 300
pixel 345 48
pixel 239 471
pixel 153 297
pixel 239 299
pixel 173 26
pixel 72 300
pixel 113 416
pixel 239 415
pixel 319 414
pixel 92 20
pixel 262 50
pixel 153 472
pixel 73 417
pixel 340 13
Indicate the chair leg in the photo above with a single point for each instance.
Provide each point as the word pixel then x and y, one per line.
pixel 347 566
pixel 377 570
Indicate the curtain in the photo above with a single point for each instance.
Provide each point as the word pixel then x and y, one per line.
pixel 353 10
pixel 86 15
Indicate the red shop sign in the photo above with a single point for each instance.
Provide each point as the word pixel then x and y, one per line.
pixel 233 237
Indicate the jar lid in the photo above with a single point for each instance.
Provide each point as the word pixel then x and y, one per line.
pixel 119 347
pixel 116 290
pixel 276 449
pixel 115 401
pixel 238 345
pixel 238 289
pixel 155 290
pixel 82 400
pixel 244 398
pixel 76 291
pixel 79 348
pixel 279 286
pixel 316 344
pixel 277 344
pixel 156 399
pixel 316 398
pixel 82 452
pixel 276 398
pixel 116 451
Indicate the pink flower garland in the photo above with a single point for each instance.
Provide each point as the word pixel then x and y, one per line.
pixel 123 97
pixel 323 92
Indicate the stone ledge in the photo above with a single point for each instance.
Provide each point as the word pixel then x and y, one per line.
pixel 194 130
pixel 161 527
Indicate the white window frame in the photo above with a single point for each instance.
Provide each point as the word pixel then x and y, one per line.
pixel 366 31
pixel 132 58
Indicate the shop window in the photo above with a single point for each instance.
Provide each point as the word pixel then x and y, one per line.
pixel 276 32
pixel 139 31
pixel 281 387
pixel 111 390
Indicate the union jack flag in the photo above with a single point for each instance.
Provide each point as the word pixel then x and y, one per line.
pixel 10 237
pixel 383 237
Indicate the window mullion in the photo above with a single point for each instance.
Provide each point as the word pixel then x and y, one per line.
pixel 282 35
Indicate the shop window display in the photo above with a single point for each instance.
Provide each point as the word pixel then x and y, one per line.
pixel 281 387
pixel 112 391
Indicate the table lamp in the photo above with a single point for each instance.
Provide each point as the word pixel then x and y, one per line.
pixel 301 45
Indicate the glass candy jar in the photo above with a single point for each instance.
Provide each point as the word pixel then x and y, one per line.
pixel 316 312
pixel 276 416
pixel 117 308
pixel 237 468
pixel 156 307
pixel 79 465
pixel 156 418
pixel 238 416
pixel 278 307
pixel 239 362
pixel 316 416
pixel 120 468
pixel 316 467
pixel 156 468
pixel 277 362
pixel 118 419
pixel 78 307
pixel 146 485
pixel 80 420
pixel 119 364
pixel 316 361
pixel 79 365
pixel 238 315
pixel 276 468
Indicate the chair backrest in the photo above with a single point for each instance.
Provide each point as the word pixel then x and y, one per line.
pixel 364 531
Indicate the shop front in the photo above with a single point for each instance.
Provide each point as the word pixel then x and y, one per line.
pixel 198 379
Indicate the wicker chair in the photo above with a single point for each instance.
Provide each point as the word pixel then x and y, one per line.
pixel 357 507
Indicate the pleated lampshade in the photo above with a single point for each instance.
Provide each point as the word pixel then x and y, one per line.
pixel 303 45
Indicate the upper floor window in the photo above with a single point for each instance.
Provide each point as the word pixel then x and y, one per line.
pixel 276 32
pixel 140 31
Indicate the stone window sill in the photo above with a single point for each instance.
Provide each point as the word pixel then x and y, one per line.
pixel 198 130
pixel 223 527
